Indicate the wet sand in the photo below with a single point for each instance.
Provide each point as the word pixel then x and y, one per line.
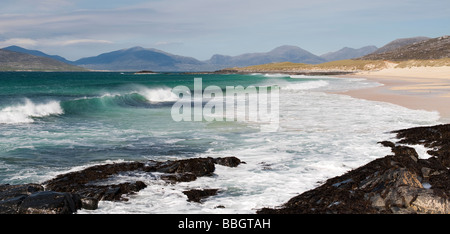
pixel 419 88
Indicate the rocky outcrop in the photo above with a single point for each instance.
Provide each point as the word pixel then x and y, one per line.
pixel 69 192
pixel 32 199
pixel 399 183
pixel 228 161
pixel 196 195
pixel 86 182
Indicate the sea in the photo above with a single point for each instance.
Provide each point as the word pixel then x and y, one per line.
pixel 58 122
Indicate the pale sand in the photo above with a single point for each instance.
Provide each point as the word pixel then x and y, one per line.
pixel 419 88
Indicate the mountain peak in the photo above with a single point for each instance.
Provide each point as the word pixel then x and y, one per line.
pixel 285 53
pixel 397 43
pixel 13 47
pixel 287 48
pixel 435 48
pixel 139 58
pixel 348 53
pixel 136 48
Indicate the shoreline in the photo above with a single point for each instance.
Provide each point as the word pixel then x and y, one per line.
pixel 417 88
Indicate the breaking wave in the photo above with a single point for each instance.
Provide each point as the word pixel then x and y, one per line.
pixel 24 113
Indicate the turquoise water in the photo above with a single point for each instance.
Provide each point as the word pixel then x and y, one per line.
pixel 52 123
pixel 69 119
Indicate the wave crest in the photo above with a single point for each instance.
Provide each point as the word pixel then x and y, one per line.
pixel 305 85
pixel 140 97
pixel 157 95
pixel 24 113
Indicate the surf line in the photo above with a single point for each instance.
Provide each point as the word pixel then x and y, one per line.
pixel 252 104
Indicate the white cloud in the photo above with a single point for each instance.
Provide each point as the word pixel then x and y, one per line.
pixel 167 43
pixel 25 42
pixel 31 43
pixel 84 41
pixel 28 6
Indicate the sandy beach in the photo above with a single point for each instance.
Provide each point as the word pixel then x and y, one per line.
pixel 420 88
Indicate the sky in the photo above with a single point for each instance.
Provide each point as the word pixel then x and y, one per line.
pixel 201 28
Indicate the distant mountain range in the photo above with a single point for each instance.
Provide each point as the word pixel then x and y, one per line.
pixel 138 58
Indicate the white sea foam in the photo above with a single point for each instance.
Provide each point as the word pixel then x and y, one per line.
pixel 156 95
pixel 321 135
pixel 276 75
pixel 24 113
pixel 298 76
pixel 305 85
pixel 422 151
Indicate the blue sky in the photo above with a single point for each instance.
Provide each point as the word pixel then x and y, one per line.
pixel 201 28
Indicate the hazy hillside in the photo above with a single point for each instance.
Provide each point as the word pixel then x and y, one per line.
pixel 37 53
pixel 138 58
pixel 395 44
pixel 348 53
pixel 15 61
pixel 436 48
pixel 280 54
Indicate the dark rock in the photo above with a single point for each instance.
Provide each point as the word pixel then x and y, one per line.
pixel 175 178
pixel 12 196
pixel 196 166
pixel 144 72
pixel 436 137
pixel 196 195
pixel 11 205
pixel 189 169
pixel 91 174
pixel 84 182
pixel 50 202
pixel 42 202
pixel 393 184
pixel 112 192
pixel 387 144
pixel 89 203
pixel 228 161
pixel 10 191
